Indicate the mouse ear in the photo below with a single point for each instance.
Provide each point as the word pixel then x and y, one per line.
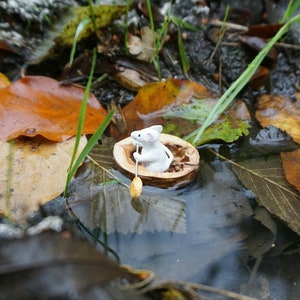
pixel 157 128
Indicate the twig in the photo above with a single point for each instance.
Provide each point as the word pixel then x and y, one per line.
pixel 228 25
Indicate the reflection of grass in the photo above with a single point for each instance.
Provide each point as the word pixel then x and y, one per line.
pixel 229 96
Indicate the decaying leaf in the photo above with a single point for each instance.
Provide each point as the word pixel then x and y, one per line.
pixel 280 112
pixel 38 171
pixel 291 167
pixel 181 106
pixel 266 179
pixel 104 15
pixel 53 266
pixel 37 105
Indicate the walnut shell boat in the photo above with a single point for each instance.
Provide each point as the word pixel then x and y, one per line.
pixel 181 172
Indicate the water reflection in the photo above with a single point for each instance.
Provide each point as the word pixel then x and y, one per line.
pixel 196 233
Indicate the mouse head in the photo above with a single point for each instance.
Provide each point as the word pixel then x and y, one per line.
pixel 147 135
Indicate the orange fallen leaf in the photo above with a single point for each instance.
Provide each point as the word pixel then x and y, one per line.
pixel 280 112
pixel 37 105
pixel 291 167
pixel 154 99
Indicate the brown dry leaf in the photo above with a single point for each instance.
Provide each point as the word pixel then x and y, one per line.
pixel 280 112
pixel 291 167
pixel 37 105
pixel 38 172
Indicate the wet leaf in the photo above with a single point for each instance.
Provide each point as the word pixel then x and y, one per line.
pixel 291 167
pixel 266 179
pixel 181 106
pixel 37 105
pixel 108 205
pixel 280 112
pixel 60 267
pixel 38 171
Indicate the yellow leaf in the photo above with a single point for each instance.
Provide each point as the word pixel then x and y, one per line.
pixel 104 16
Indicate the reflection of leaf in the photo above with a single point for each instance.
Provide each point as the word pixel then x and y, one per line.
pixel 181 106
pixel 38 170
pixel 266 179
pixel 37 105
pixel 110 207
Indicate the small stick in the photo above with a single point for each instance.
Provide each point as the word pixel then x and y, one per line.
pixel 136 162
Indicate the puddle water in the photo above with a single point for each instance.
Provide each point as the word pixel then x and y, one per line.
pixel 198 233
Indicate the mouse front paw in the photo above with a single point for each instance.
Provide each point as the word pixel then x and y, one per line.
pixel 137 156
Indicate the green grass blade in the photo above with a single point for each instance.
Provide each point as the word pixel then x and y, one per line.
pixel 82 113
pixel 290 10
pixel 90 145
pixel 182 53
pixel 79 29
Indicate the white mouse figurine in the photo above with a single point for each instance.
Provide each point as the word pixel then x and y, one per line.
pixel 154 156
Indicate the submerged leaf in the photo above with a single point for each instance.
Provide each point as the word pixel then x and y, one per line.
pixel 266 179
pixel 64 31
pixel 37 105
pixel 53 266
pixel 38 171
